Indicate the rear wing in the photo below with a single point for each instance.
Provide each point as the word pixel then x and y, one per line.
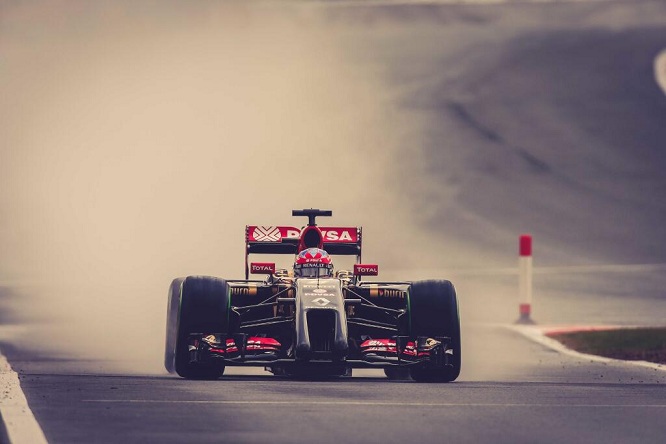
pixel 284 240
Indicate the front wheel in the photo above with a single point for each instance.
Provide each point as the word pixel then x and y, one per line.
pixel 433 307
pixel 173 309
pixel 197 304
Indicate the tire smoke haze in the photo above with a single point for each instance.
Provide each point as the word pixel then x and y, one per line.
pixel 136 145
pixel 138 139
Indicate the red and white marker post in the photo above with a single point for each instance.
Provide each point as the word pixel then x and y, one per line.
pixel 525 279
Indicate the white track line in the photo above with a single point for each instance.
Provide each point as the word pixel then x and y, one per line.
pixel 536 334
pixel 660 70
pixel 16 414
pixel 299 402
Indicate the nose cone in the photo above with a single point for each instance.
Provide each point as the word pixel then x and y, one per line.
pixel 321 322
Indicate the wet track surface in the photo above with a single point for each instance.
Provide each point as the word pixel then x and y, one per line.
pixel 541 117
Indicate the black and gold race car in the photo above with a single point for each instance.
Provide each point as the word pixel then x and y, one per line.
pixel 312 320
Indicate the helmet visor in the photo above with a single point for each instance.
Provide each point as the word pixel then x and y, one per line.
pixel 313 270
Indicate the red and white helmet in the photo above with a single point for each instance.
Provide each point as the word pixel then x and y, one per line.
pixel 313 262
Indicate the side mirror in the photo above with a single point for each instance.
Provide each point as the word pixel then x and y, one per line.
pixel 366 269
pixel 262 268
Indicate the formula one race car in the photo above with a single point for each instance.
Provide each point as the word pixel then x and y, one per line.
pixel 312 321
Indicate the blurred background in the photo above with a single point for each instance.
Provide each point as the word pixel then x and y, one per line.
pixel 137 139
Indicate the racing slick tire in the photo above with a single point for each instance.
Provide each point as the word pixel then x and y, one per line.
pixel 173 306
pixel 197 304
pixel 433 308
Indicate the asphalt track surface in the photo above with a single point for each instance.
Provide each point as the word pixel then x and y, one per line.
pixel 541 396
pixel 583 67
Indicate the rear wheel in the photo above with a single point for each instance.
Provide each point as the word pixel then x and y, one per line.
pixel 433 308
pixel 202 307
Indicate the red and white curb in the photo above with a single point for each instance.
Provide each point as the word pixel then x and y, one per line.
pixel 19 421
pixel 538 335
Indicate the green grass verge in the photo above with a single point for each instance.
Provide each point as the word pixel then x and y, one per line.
pixel 634 344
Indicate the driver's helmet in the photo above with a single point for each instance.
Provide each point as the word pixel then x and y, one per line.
pixel 313 262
